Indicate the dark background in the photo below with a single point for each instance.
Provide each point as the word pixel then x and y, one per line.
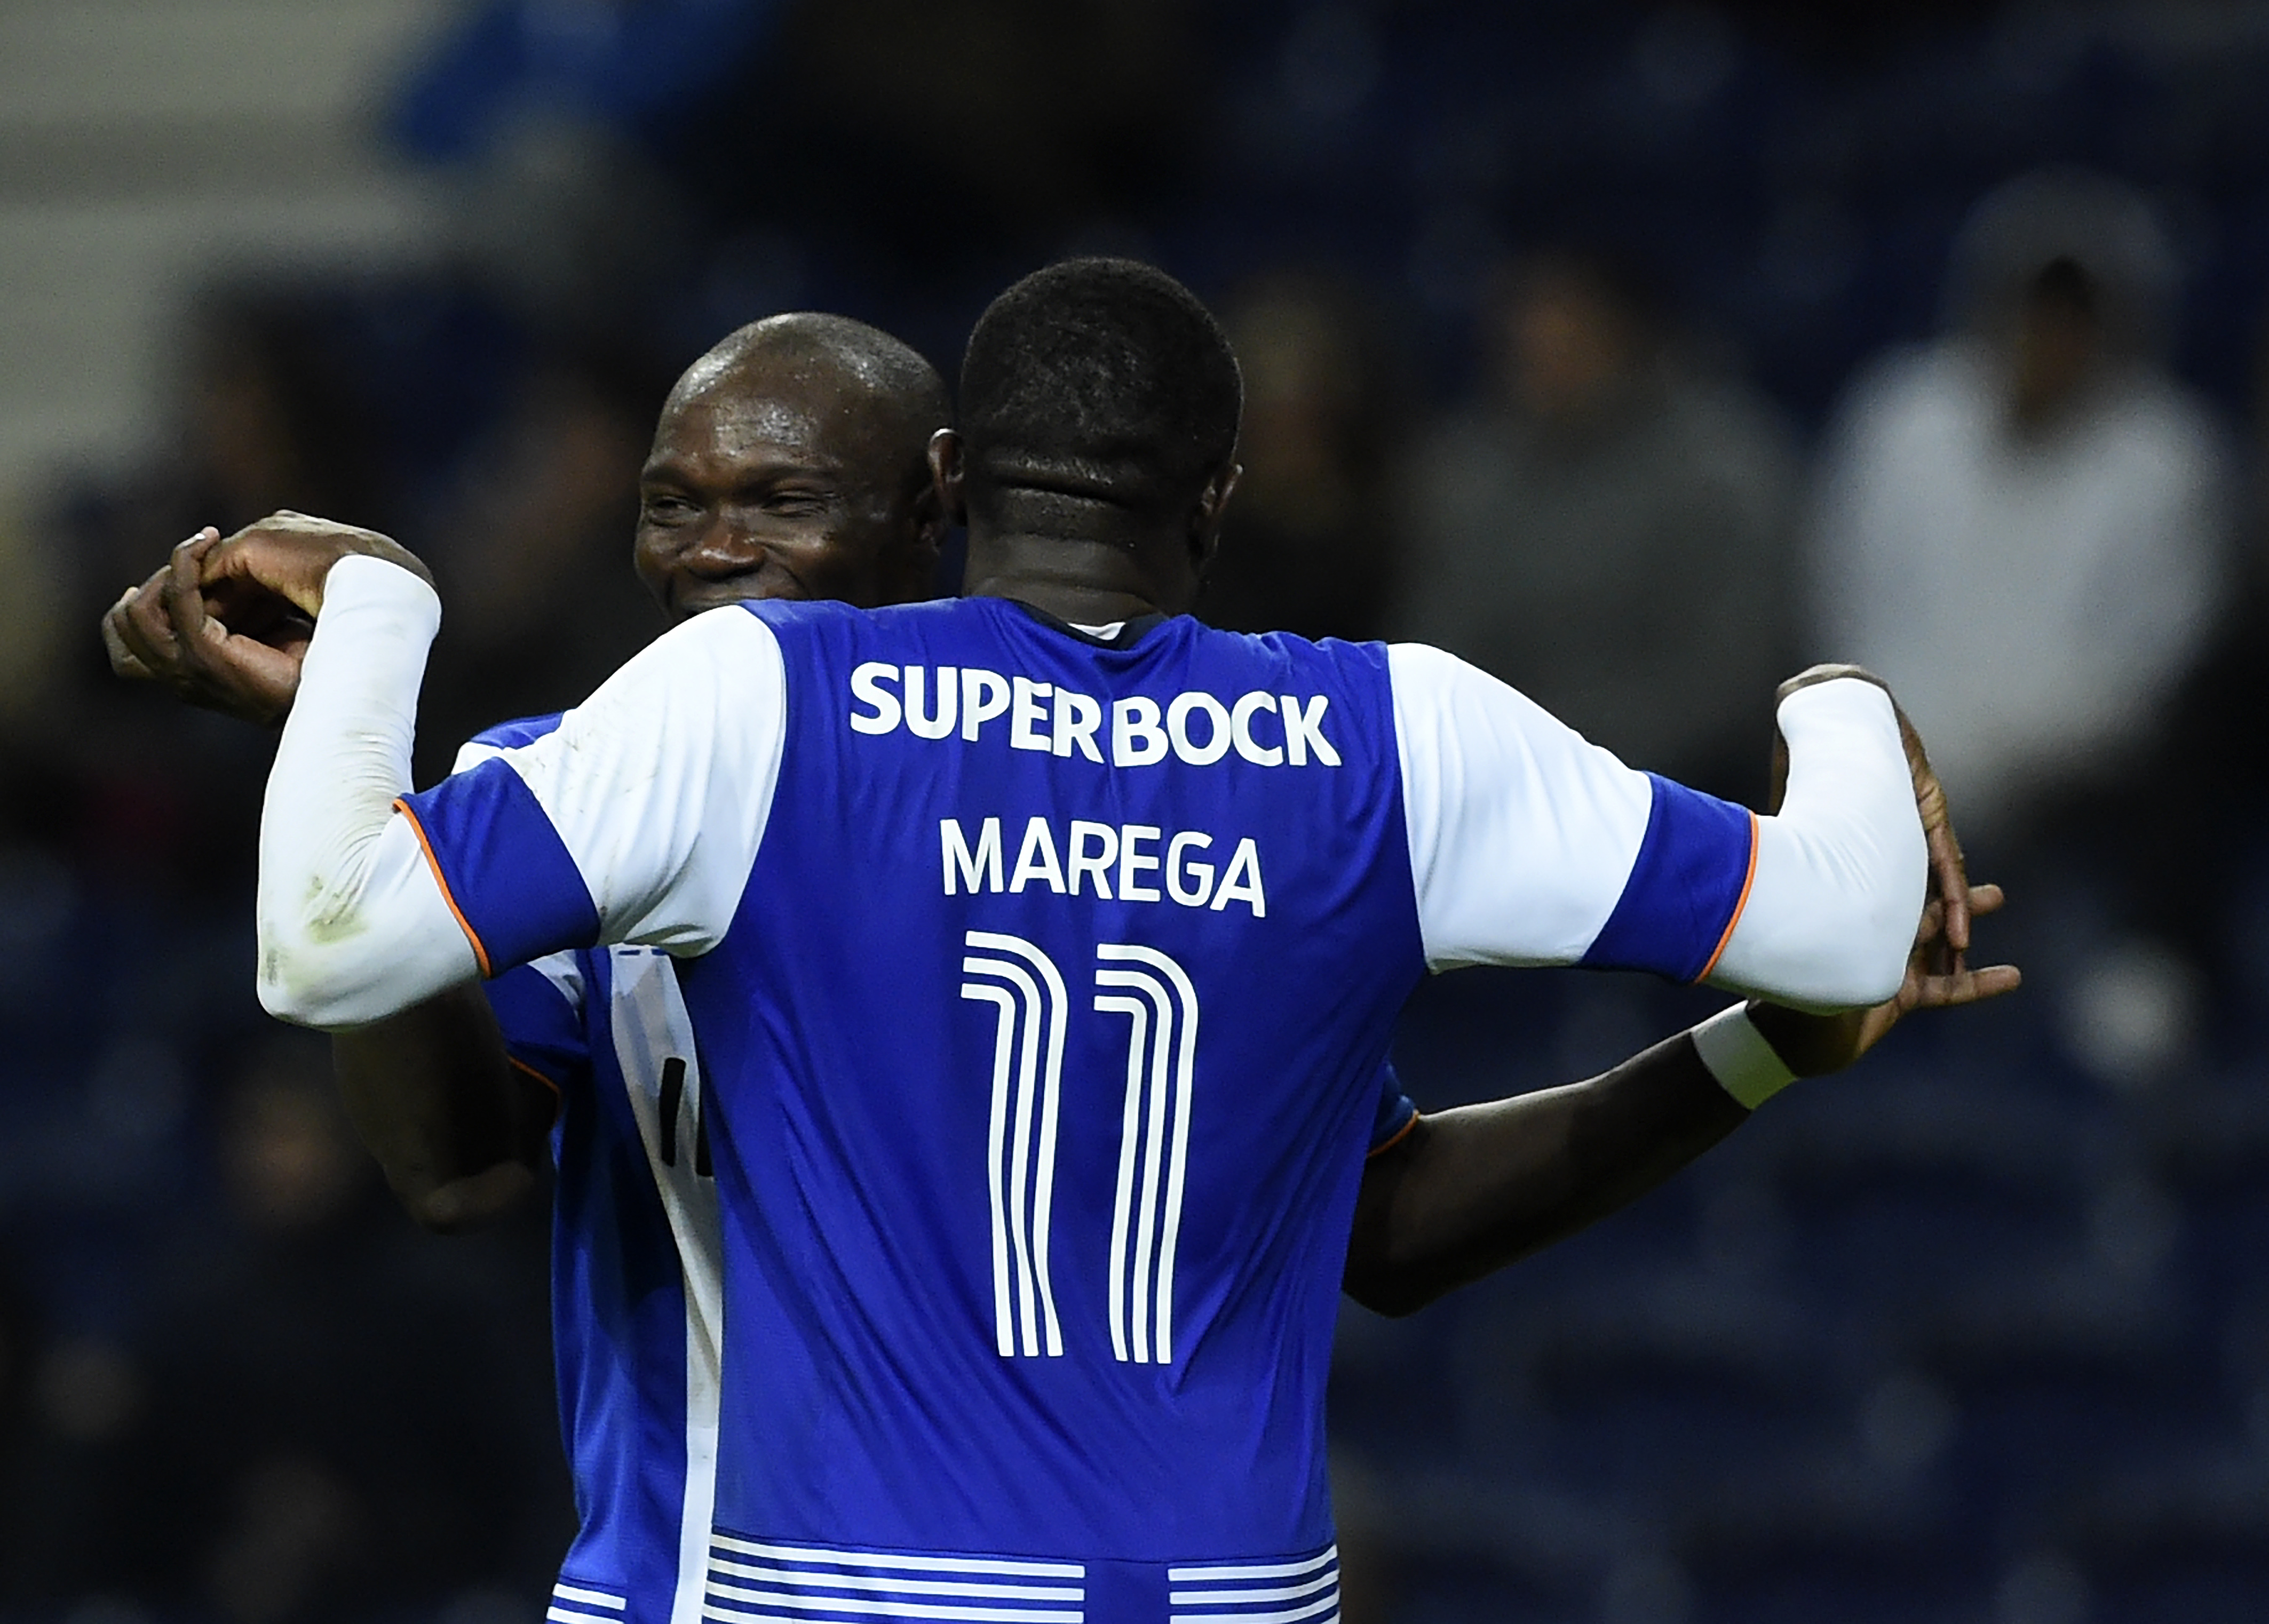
pixel 1977 1332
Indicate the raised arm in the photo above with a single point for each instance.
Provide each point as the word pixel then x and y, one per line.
pixel 1638 873
pixel 454 1125
pixel 372 899
pixel 1529 845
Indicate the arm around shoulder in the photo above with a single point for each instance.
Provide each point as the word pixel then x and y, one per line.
pixel 630 822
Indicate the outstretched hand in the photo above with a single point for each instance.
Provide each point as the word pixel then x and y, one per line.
pixel 224 625
pixel 1811 1045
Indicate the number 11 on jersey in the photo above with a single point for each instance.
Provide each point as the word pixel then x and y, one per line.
pixel 1027 991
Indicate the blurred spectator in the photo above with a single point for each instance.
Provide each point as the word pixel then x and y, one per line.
pixel 266 413
pixel 533 549
pixel 2023 526
pixel 1611 531
pixel 639 68
pixel 325 1422
pixel 937 131
pixel 1307 546
pixel 266 416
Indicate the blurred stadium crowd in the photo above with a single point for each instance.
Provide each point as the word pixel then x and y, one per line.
pixel 1639 355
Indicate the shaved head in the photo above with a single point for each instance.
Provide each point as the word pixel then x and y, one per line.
pixel 880 378
pixel 791 461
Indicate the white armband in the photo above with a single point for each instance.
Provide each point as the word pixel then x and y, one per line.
pixel 1745 1065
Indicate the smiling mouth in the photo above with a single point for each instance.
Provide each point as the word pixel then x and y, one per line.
pixel 757 584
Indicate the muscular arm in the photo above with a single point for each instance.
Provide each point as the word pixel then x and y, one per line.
pixel 1468 1191
pixel 457 1127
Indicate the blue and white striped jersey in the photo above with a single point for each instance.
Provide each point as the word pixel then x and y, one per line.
pixel 1029 995
pixel 636 1260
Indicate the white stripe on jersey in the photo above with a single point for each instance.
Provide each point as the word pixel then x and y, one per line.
pixel 565 972
pixel 1311 1584
pixel 1162 1042
pixel 564 1591
pixel 1021 1153
pixel 883 1582
pixel 1293 1615
pixel 1269 1570
pixel 877 1609
pixel 828 1556
pixel 801 1580
pixel 651 1030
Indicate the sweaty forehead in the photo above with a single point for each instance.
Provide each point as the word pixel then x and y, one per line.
pixel 804 408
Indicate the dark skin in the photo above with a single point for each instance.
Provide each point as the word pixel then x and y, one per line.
pixel 1465 1192
pixel 761 483
pixel 1468 1191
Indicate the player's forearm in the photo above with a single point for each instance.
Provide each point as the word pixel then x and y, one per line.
pixel 352 926
pixel 1841 869
pixel 433 1098
pixel 1472 1190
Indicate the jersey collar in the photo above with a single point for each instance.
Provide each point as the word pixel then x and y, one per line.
pixel 1130 632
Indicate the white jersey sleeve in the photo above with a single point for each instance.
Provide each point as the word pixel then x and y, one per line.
pixel 655 791
pixel 637 820
pixel 1529 845
pixel 1522 834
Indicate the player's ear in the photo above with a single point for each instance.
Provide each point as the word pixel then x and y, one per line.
pixel 948 476
pixel 1205 519
pixel 924 535
pixel 929 521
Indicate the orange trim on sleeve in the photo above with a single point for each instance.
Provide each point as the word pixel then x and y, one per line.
pixel 1740 906
pixel 480 953
pixel 551 1087
pixel 1399 1135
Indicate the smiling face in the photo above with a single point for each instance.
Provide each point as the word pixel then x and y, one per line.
pixel 781 473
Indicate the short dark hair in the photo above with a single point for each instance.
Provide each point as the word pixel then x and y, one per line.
pixel 1103 379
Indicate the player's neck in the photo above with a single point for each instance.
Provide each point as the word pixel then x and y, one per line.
pixel 1086 582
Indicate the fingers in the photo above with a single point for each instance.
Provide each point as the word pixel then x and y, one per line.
pixel 1969 986
pixel 1948 876
pixel 163 630
pixel 144 627
pixel 270 558
pixel 1983 900
pixel 123 661
pixel 184 592
pixel 1952 886
pixel 260 681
